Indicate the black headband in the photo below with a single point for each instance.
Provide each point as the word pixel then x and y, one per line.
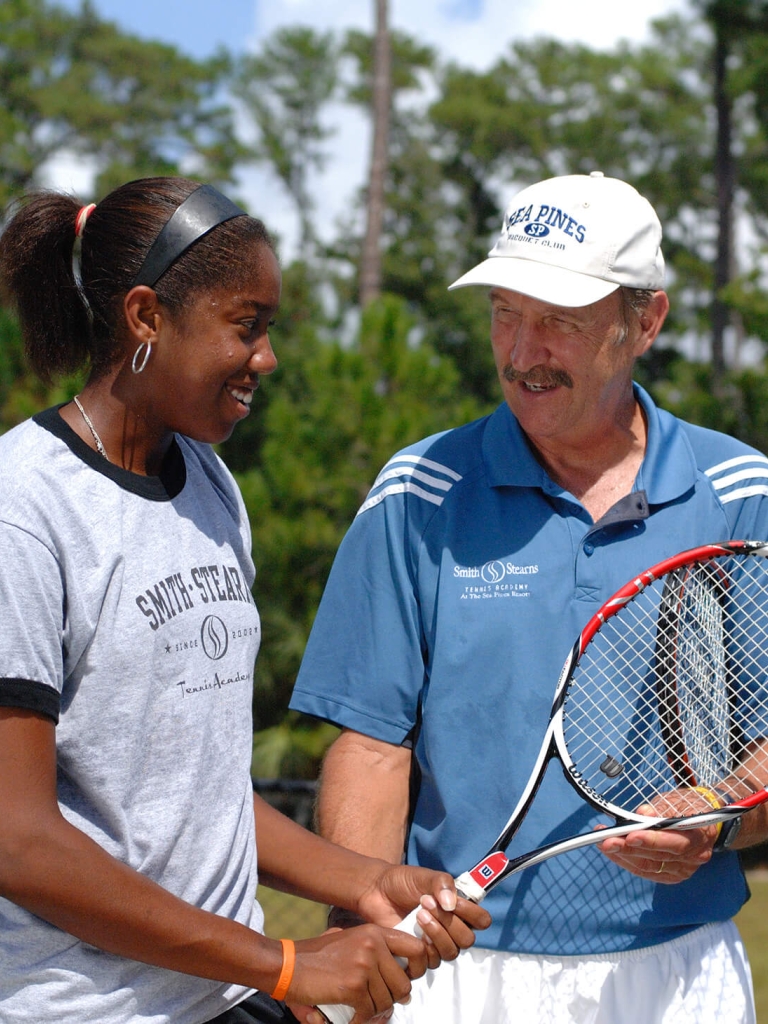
pixel 201 211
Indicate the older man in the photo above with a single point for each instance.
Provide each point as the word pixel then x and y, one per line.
pixel 456 595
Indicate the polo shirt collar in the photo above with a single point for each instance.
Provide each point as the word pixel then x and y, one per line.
pixel 668 469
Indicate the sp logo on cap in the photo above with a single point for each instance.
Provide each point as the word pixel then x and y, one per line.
pixel 536 229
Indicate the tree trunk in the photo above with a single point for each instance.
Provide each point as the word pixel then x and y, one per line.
pixel 724 175
pixel 370 263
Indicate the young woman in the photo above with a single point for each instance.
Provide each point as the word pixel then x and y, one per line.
pixel 128 634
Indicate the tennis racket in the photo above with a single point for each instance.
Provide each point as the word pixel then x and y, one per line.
pixel 664 691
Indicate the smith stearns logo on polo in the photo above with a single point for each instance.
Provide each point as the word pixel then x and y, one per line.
pixel 543 222
pixel 494 580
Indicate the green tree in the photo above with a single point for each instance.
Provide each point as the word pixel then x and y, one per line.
pixel 735 26
pixel 285 89
pixel 21 393
pixel 74 83
pixel 381 110
pixel 433 227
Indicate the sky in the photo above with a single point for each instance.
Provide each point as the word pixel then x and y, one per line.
pixel 473 33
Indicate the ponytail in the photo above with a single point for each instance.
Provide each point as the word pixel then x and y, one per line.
pixel 37 273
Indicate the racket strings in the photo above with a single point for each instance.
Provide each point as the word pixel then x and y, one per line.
pixel 669 691
pixel 691 646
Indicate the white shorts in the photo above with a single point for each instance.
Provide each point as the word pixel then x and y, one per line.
pixel 701 978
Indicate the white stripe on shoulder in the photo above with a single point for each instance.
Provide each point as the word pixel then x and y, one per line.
pixel 744 492
pixel 740 460
pixel 743 474
pixel 403 474
pixel 393 474
pixel 418 460
pixel 403 488
pixel 756 471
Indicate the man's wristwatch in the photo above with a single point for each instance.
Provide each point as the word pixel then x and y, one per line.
pixel 728 834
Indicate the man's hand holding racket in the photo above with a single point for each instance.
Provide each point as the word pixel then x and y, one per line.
pixel 667 857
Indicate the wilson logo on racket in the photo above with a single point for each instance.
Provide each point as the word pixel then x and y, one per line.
pixel 487 870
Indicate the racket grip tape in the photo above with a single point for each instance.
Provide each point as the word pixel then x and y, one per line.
pixel 340 1014
pixel 465 886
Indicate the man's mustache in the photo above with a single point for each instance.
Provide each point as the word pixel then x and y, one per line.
pixel 541 376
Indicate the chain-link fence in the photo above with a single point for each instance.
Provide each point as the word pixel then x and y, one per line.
pixel 294 797
pixel 289 917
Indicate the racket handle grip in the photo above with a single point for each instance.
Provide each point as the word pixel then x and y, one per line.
pixel 465 886
pixel 340 1014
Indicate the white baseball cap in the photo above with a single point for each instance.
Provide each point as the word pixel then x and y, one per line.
pixel 572 240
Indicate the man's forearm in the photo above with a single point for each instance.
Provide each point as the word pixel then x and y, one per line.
pixel 363 800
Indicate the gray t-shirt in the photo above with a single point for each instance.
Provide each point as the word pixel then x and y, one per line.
pixel 126 615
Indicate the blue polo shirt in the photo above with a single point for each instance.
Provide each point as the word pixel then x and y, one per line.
pixel 452 604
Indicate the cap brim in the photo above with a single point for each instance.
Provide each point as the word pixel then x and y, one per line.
pixel 539 280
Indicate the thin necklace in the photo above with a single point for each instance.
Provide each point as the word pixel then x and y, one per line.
pixel 99 443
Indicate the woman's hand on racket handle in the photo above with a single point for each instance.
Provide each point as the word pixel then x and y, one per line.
pixel 448 921
pixel 669 856
pixel 356 967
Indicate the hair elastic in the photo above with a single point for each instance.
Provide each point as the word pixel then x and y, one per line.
pixel 202 210
pixel 82 216
pixel 286 971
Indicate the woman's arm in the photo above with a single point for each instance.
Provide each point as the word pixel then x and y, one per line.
pixel 58 873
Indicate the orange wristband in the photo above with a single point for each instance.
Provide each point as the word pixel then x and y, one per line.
pixel 286 971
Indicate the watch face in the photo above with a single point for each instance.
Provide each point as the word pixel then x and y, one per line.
pixel 728 834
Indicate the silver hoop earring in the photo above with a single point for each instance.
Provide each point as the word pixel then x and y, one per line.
pixel 137 365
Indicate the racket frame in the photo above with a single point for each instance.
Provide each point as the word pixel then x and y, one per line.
pixel 475 883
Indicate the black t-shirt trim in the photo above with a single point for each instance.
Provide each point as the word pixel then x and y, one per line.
pixel 30 695
pixel 165 487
